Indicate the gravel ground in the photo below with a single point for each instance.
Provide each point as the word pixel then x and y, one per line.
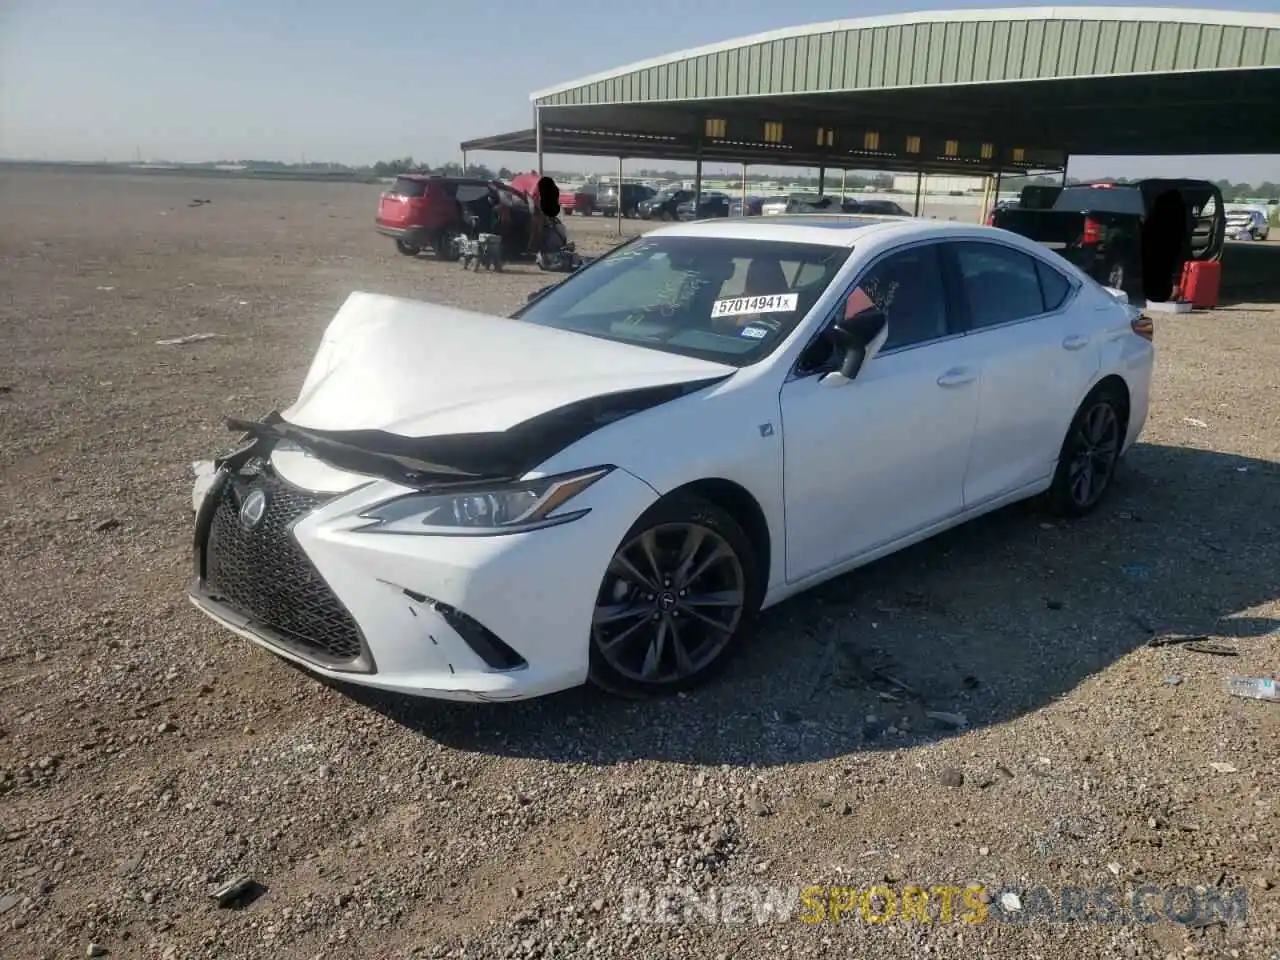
pixel 147 757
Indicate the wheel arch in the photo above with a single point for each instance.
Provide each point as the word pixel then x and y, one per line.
pixel 1117 384
pixel 742 505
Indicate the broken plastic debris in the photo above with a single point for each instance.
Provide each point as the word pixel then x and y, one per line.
pixel 106 289
pixel 1254 688
pixel 1194 422
pixel 1223 767
pixel 229 893
pixel 956 720
pixel 189 338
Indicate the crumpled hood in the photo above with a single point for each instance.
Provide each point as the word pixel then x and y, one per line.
pixel 417 369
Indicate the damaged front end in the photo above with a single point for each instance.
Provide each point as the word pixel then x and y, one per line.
pixel 252 573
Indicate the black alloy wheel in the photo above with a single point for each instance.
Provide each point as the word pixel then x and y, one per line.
pixel 677 598
pixel 1090 454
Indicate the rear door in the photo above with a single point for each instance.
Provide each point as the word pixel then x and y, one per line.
pixel 1038 359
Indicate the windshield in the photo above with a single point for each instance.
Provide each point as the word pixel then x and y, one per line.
pixel 713 298
pixel 1100 200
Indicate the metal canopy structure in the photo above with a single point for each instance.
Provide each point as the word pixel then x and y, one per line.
pixel 967 92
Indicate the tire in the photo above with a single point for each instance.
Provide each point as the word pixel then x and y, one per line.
pixel 1098 425
pixel 636 620
pixel 666 215
pixel 408 249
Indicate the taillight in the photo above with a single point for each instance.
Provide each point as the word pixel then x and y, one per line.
pixel 1143 327
pixel 1092 232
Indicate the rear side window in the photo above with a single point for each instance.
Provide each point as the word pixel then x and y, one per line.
pixel 1000 284
pixel 1054 287
pixel 1101 200
pixel 404 187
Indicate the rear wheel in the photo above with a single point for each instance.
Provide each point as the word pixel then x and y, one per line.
pixel 1089 456
pixel 408 249
pixel 677 599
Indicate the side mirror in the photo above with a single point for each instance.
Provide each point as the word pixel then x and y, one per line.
pixel 857 338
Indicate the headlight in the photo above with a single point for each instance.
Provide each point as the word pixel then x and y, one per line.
pixel 513 508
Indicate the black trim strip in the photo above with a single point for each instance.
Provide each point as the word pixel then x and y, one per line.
pixel 450 461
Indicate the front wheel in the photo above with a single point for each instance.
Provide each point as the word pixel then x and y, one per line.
pixel 677 599
pixel 408 249
pixel 1090 453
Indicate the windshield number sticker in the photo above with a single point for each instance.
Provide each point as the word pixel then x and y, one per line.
pixel 754 333
pixel 743 306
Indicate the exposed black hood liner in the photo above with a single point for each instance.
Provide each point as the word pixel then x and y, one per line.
pixel 466 458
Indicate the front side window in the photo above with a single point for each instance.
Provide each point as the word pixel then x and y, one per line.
pixel 716 298
pixel 1000 284
pixel 907 288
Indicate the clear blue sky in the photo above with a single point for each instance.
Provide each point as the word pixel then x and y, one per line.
pixel 357 82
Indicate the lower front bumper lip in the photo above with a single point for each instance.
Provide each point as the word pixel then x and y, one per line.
pixel 263 635
pixel 242 626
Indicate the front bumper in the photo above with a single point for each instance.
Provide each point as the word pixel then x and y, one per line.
pixel 478 618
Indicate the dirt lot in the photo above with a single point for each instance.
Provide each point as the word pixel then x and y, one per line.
pixel 146 756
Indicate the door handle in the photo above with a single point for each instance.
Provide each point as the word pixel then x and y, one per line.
pixel 1076 341
pixel 957 377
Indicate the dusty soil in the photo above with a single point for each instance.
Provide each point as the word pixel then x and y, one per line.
pixel 146 756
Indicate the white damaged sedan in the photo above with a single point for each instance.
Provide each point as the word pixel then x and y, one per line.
pixel 612 483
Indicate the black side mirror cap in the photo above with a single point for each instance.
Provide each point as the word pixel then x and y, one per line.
pixel 853 335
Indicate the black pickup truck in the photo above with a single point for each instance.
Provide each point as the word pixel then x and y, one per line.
pixel 1134 237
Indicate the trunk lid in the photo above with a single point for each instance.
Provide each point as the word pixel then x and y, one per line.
pixel 404 203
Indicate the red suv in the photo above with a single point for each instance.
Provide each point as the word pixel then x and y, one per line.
pixel 420 212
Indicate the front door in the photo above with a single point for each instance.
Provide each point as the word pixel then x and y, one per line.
pixel 1039 358
pixel 884 456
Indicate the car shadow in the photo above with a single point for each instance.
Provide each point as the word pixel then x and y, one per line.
pixel 991 620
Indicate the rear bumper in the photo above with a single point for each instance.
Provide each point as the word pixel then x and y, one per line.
pixel 417 236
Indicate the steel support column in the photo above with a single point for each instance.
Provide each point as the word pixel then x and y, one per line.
pixel 619 196
pixel 697 179
pixel 537 134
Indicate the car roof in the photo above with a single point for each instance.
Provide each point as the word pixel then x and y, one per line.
pixel 833 230
pixel 836 229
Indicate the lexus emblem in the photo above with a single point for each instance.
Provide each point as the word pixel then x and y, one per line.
pixel 252 510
